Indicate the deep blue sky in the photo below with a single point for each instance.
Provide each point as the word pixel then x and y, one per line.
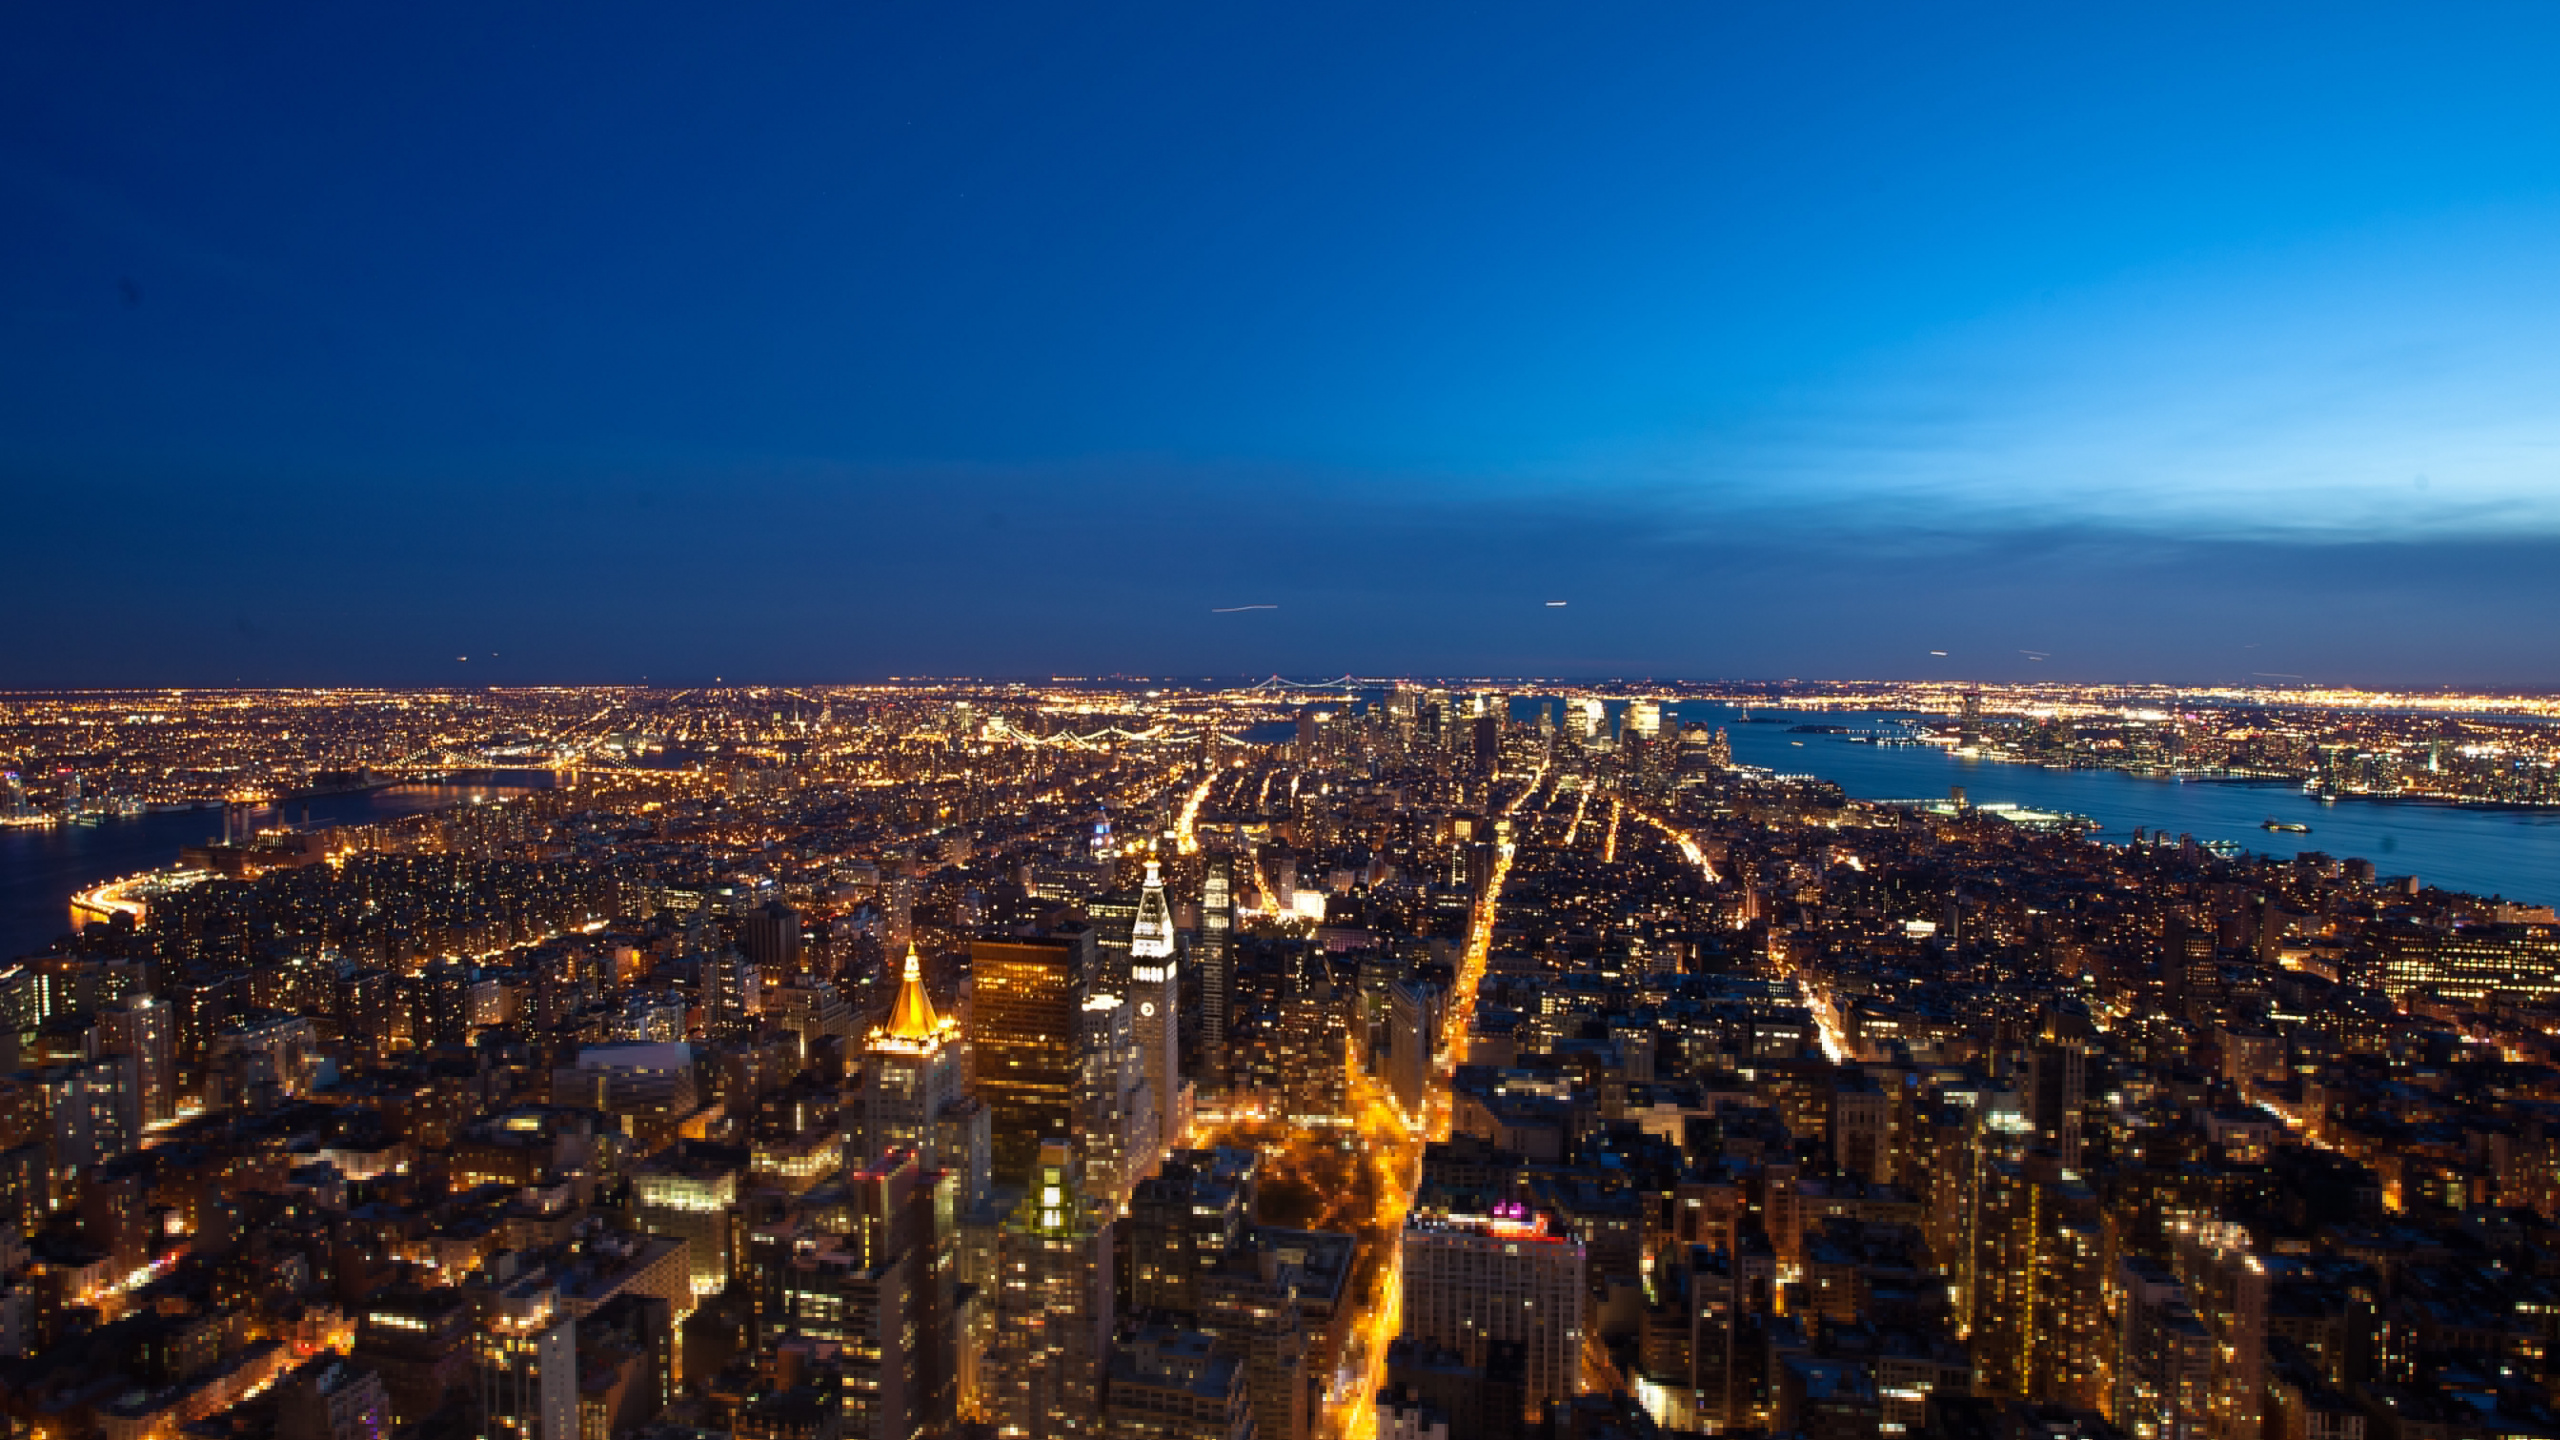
pixel 2170 342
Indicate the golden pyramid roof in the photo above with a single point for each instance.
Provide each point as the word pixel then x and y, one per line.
pixel 912 1018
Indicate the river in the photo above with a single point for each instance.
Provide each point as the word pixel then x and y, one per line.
pixel 2514 853
pixel 40 869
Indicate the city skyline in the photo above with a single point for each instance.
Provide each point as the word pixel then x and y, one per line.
pixel 1157 722
pixel 997 1062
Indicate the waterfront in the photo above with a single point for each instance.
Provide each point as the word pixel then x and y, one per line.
pixel 41 867
pixel 2514 853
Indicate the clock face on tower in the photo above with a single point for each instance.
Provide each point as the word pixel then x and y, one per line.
pixel 1147 1007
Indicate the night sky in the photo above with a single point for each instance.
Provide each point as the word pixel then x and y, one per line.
pixel 2182 343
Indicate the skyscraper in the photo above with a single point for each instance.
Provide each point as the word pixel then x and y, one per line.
pixel 729 994
pixel 1183 1221
pixel 1585 719
pixel 525 1360
pixel 898 909
pixel 1114 916
pixel 1217 966
pixel 914 1095
pixel 1024 1015
pixel 143 1028
pixel 1115 1109
pixel 1470 1280
pixel 884 1291
pixel 689 1192
pixel 1310 1043
pixel 771 937
pixel 1413 1006
pixel 1155 996
pixel 1053 1307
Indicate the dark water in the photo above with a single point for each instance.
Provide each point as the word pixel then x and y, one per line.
pixel 40 869
pixel 2514 853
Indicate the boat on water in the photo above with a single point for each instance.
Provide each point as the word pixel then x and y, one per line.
pixel 2290 827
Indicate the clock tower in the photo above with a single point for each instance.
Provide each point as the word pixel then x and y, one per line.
pixel 1155 997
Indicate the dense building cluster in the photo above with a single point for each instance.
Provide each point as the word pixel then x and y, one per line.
pixel 2448 748
pixel 1388 1061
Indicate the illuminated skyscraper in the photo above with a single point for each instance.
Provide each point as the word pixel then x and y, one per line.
pixel 1309 1045
pixel 729 994
pixel 690 1192
pixel 525 1359
pixel 1155 998
pixel 145 1029
pixel 1053 1308
pixel 1217 966
pixel 1586 719
pixel 1116 1125
pixel 898 910
pixel 1183 1222
pixel 914 1094
pixel 883 1289
pixel 1471 1280
pixel 1026 995
pixel 1115 918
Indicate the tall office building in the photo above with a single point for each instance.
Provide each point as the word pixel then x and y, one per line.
pixel 443 1009
pixel 898 910
pixel 525 1362
pixel 1217 966
pixel 1114 917
pixel 915 1095
pixel 885 1291
pixel 1251 1308
pixel 1184 1221
pixel 1026 997
pixel 689 1192
pixel 1054 1307
pixel 1471 1280
pixel 771 937
pixel 1155 1000
pixel 145 1029
pixel 1116 1124
pixel 730 994
pixel 2057 1085
pixel 2467 962
pixel 1413 1007
pixel 1310 1053
pixel 1585 719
